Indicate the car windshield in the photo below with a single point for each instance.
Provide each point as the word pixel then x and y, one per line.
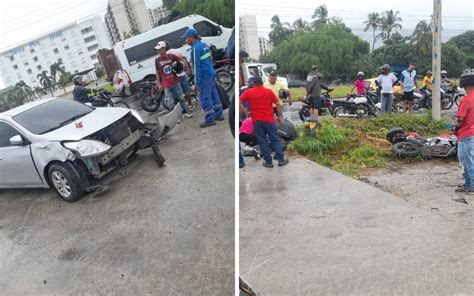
pixel 51 115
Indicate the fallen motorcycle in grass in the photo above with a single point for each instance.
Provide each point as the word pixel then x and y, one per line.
pixel 410 145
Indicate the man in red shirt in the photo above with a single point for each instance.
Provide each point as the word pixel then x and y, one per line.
pixel 167 79
pixel 261 102
pixel 465 132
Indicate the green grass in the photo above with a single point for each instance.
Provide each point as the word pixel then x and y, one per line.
pixel 352 146
pixel 339 91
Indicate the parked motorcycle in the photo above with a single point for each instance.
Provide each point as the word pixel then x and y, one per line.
pixel 149 99
pixel 327 103
pixel 103 98
pixel 357 107
pixel 225 68
pixel 410 145
pixel 456 92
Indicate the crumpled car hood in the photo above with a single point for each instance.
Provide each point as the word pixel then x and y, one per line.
pixel 91 123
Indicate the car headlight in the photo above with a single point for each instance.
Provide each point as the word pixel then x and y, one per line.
pixel 137 116
pixel 87 148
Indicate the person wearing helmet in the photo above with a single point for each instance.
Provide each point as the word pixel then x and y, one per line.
pixel 427 81
pixel 359 84
pixel 408 84
pixel 313 90
pixel 182 73
pixel 385 81
pixel 464 129
pixel 204 76
pixel 167 79
pixel 80 92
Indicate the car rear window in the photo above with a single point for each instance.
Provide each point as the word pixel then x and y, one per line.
pixel 51 115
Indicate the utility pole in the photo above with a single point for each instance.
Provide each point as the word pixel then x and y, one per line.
pixel 436 61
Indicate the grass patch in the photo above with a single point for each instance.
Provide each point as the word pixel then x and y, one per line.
pixel 339 91
pixel 353 146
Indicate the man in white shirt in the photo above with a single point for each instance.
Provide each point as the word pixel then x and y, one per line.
pixel 385 82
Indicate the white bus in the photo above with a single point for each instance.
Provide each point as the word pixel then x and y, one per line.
pixel 136 55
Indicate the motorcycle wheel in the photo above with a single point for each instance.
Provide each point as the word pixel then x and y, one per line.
pixel 224 79
pixel 303 113
pixel 446 103
pixel 121 104
pixel 394 134
pixel 406 150
pixel 362 111
pixel 457 99
pixel 341 111
pixel 151 103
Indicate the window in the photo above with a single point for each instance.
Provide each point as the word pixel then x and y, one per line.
pixel 6 132
pixel 79 52
pixel 15 67
pixel 86 30
pixel 93 57
pixel 93 47
pixel 146 50
pixel 66 47
pixel 26 64
pixel 35 59
pixel 39 67
pixel 29 71
pixel 32 50
pixel 89 39
pixel 56 51
pixel 60 60
pixel 12 58
pixel 207 29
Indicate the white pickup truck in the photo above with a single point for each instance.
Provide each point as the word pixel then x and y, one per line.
pixel 252 69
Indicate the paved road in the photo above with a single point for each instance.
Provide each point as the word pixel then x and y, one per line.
pixel 160 231
pixel 307 230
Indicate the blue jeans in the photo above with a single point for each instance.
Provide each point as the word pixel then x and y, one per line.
pixel 173 92
pixel 265 132
pixel 241 158
pixel 466 158
pixel 387 101
pixel 183 81
pixel 210 100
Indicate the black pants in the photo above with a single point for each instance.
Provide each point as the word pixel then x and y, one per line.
pixel 249 139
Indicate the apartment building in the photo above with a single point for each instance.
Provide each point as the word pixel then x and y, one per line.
pixel 264 45
pixel 157 14
pixel 248 36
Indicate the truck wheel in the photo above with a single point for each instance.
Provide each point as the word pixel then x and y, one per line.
pixel 406 150
pixel 159 158
pixel 65 179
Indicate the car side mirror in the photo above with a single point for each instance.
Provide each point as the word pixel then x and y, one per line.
pixel 17 140
pixel 219 31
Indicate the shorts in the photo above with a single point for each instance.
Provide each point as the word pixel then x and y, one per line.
pixel 408 96
pixel 315 103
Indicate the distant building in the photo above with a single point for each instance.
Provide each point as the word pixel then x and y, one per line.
pixel 264 45
pixel 126 18
pixel 157 14
pixel 75 45
pixel 248 36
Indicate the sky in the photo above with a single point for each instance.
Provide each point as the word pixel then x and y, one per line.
pixel 458 15
pixel 24 19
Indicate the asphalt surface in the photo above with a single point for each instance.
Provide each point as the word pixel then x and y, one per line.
pixel 151 230
pixel 307 230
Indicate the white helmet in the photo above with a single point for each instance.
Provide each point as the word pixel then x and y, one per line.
pixel 360 73
pixel 444 72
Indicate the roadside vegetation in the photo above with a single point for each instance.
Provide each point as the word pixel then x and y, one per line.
pixel 352 146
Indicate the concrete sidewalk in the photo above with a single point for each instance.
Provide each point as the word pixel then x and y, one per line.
pixel 307 230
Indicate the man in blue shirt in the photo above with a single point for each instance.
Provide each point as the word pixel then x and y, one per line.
pixel 408 84
pixel 204 75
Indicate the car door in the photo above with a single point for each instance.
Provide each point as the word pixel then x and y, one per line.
pixel 16 164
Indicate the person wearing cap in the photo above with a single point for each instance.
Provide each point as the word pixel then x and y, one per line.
pixel 385 81
pixel 427 81
pixel 408 84
pixel 313 90
pixel 183 76
pixel 260 100
pixel 167 79
pixel 464 129
pixel 204 75
pixel 277 87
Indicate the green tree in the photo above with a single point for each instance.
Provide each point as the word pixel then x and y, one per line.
pixel 465 42
pixel 453 59
pixel 220 11
pixel 390 21
pixel 65 79
pixel 422 38
pixel 300 26
pixel 280 31
pixel 46 81
pixel 23 91
pixel 373 23
pixel 39 91
pixel 320 16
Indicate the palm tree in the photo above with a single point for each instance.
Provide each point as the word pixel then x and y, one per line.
pixel 46 81
pixel 320 16
pixel 390 21
pixel 300 25
pixel 373 22
pixel 39 91
pixel 280 31
pixel 422 37
pixel 22 91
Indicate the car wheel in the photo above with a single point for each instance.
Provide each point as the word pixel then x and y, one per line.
pixel 65 179
pixel 159 158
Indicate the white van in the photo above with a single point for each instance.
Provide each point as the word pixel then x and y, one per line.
pixel 252 69
pixel 136 55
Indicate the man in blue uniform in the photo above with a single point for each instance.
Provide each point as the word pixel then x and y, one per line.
pixel 204 75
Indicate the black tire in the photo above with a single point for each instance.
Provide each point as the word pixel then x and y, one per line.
pixel 231 116
pixel 72 188
pixel 394 134
pixel 150 103
pixel 406 150
pixel 303 113
pixel 121 104
pixel 341 110
pixel 159 158
pixel 446 102
pixel 457 99
pixel 225 79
